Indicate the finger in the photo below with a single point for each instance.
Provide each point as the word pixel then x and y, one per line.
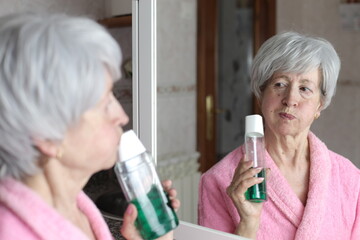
pixel 166 184
pixel 250 173
pixel 128 229
pixel 238 192
pixel 242 167
pixel 175 203
pixel 172 193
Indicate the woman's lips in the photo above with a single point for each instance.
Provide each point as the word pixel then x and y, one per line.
pixel 287 116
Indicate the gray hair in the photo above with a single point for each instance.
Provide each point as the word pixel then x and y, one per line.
pixel 296 53
pixel 52 69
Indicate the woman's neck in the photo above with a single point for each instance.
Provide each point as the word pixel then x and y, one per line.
pixel 288 150
pixel 292 157
pixel 58 186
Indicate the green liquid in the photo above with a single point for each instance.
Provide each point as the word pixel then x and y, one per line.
pixel 156 217
pixel 257 193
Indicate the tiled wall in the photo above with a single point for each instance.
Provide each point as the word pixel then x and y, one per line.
pixel 338 126
pixel 176 100
pixel 176 78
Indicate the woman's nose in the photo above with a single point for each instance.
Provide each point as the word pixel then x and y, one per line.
pixel 291 98
pixel 121 118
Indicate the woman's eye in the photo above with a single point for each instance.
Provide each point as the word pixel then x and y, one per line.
pixel 305 89
pixel 279 84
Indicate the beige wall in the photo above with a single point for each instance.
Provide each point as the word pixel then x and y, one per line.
pixel 338 125
pixel 176 100
pixel 176 79
pixel 92 8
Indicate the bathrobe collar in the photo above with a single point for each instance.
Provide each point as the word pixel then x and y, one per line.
pixel 43 220
pixel 309 218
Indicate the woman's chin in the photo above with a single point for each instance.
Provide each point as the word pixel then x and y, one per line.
pixel 109 163
pixel 287 130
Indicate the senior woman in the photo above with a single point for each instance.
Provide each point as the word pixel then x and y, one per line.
pixel 59 124
pixel 313 193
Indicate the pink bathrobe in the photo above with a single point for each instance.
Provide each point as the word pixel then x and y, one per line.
pixel 332 208
pixel 25 216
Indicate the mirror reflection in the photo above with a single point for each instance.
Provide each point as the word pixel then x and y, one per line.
pixel 303 17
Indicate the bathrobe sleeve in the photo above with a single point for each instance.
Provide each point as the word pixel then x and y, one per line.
pixel 212 213
pixel 215 209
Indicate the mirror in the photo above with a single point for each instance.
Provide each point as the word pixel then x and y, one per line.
pixel 178 32
pixel 178 71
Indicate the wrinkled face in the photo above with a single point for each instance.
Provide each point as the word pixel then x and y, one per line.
pixel 92 144
pixel 290 102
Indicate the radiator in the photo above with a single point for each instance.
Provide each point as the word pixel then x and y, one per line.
pixel 182 169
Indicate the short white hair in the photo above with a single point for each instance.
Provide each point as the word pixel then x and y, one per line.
pixel 52 69
pixel 296 53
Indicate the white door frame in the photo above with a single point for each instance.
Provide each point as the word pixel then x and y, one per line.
pixel 144 72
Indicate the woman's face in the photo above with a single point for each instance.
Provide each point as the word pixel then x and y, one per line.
pixel 92 144
pixel 290 102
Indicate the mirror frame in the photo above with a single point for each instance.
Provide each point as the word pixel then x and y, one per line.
pixel 143 23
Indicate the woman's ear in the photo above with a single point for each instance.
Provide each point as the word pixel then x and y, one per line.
pixel 320 107
pixel 318 112
pixel 47 147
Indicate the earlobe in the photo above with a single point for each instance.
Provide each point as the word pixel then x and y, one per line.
pixel 319 109
pixel 321 104
pixel 47 147
pixel 317 115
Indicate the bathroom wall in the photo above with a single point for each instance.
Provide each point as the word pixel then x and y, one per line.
pixel 176 100
pixel 338 125
pixel 176 77
pixel 92 8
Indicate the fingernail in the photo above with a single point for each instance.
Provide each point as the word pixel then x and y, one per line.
pixel 261 178
pixel 129 210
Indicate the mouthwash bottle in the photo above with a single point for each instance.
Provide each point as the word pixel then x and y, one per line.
pixel 255 152
pixel 141 186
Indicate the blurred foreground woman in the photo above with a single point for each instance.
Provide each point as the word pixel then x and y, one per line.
pixel 59 124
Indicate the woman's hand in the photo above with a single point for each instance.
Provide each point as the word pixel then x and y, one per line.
pixel 249 211
pixel 175 203
pixel 128 229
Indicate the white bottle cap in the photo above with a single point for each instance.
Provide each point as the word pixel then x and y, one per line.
pixel 130 146
pixel 254 126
